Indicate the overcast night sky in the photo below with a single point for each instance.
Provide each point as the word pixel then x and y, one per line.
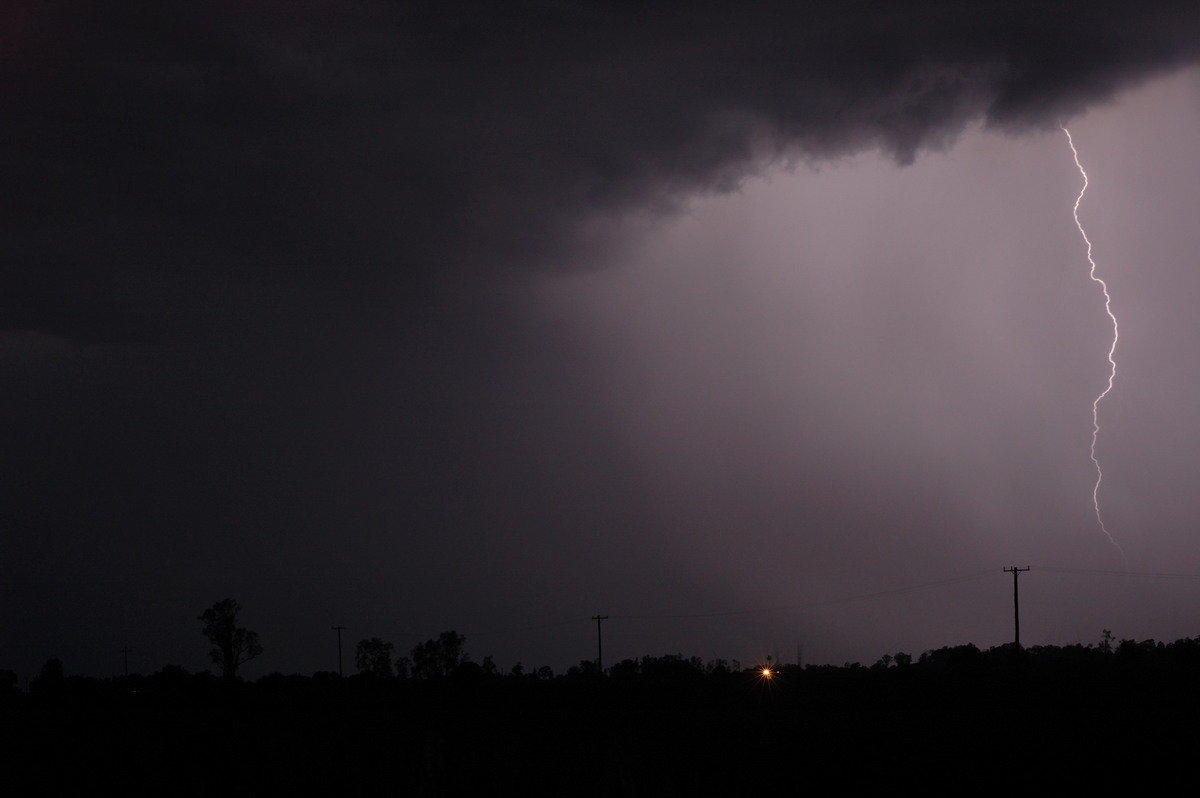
pixel 492 317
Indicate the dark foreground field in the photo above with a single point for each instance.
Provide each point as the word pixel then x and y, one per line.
pixel 957 719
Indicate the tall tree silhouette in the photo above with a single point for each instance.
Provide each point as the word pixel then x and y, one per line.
pixel 374 656
pixel 231 644
pixel 435 659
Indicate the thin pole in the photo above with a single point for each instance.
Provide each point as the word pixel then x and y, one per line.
pixel 125 651
pixel 599 642
pixel 1015 571
pixel 339 631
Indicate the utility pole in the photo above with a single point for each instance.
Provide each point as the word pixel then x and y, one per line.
pixel 339 631
pixel 125 651
pixel 599 642
pixel 1015 571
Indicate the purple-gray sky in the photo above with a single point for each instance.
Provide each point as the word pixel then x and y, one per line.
pixel 495 317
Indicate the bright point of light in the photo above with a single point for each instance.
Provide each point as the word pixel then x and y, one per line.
pixel 766 672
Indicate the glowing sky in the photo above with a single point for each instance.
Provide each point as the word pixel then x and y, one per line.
pixel 869 376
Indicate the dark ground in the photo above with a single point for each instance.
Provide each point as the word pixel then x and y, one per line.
pixel 1046 718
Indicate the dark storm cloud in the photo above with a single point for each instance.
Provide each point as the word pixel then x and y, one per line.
pixel 151 149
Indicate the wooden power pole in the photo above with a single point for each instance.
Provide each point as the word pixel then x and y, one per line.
pixel 339 629
pixel 599 642
pixel 1015 571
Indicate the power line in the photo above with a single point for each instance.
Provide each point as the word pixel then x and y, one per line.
pixel 1140 574
pixel 574 621
pixel 810 604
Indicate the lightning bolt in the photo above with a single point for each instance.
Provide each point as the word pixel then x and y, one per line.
pixel 1112 363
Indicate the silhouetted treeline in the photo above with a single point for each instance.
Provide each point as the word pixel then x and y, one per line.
pixel 1042 718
